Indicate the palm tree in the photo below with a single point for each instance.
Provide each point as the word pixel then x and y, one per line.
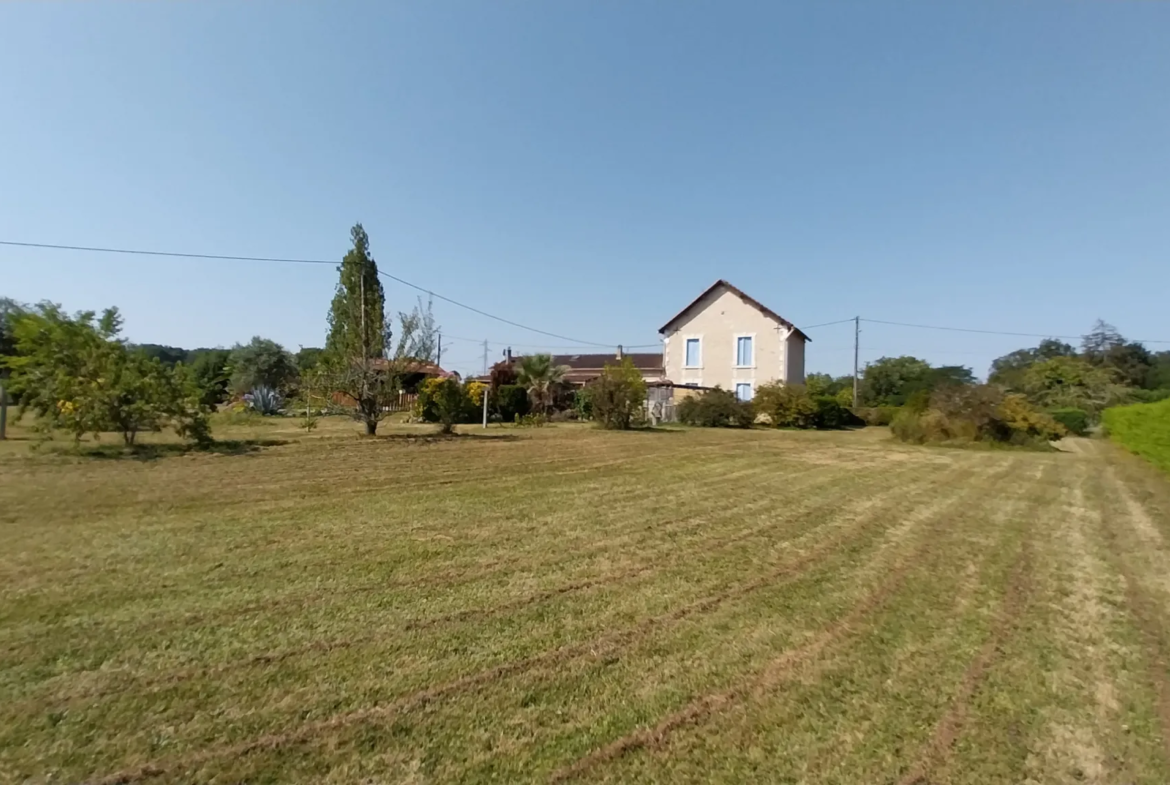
pixel 541 377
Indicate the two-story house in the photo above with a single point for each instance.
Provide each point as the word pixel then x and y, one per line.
pixel 727 339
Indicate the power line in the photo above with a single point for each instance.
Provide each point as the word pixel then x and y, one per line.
pixel 990 332
pixel 827 324
pixel 280 260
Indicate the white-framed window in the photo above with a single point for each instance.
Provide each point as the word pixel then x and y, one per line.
pixel 694 355
pixel 745 351
pixel 743 391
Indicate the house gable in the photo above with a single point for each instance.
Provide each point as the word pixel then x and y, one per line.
pixel 712 292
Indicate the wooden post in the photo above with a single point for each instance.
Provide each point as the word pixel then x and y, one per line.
pixel 3 412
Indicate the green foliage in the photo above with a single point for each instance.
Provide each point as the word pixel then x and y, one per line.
pixel 309 358
pixel 1065 382
pixel 976 413
pixel 451 402
pixel 1008 371
pixel 209 372
pixel 831 415
pixel 419 334
pixel 715 409
pixel 1143 429
pixel 10 311
pixel 357 316
pixel 534 420
pixel 1073 419
pixel 78 376
pixel 1149 396
pixel 260 363
pixel 1133 365
pixel 878 415
pixel 583 404
pixel 359 334
pixel 167 355
pixel 786 405
pixel 890 380
pixel 617 396
pixel 511 402
pixel 537 374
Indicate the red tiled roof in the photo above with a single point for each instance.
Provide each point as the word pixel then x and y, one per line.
pixel 765 310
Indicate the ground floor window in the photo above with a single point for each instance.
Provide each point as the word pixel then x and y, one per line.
pixel 743 391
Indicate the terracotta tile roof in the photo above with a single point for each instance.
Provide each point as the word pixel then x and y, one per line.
pixel 765 310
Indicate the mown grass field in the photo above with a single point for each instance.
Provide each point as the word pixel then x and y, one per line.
pixel 570 605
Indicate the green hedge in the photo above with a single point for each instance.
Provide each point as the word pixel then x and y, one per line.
pixel 1143 429
pixel 511 401
pixel 1076 420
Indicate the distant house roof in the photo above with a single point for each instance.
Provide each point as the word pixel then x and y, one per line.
pixel 424 367
pixel 586 367
pixel 765 310
pixel 643 361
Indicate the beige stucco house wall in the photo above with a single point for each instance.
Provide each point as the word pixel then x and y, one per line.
pixel 733 342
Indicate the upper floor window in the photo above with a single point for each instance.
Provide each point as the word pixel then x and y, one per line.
pixel 693 354
pixel 743 351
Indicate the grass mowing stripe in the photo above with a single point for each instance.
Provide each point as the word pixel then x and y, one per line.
pixel 610 642
pixel 1146 611
pixel 705 705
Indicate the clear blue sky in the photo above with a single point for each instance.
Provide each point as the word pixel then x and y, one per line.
pixel 589 168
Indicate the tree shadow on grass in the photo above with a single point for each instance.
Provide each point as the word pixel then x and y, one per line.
pixel 441 438
pixel 154 452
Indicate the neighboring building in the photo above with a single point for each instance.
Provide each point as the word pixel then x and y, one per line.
pixel 727 339
pixel 584 368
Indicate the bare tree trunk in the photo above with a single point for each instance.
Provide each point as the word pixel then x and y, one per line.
pixel 371 426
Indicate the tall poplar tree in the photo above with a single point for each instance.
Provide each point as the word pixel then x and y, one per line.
pixel 355 350
pixel 357 317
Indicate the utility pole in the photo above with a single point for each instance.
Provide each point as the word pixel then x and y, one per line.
pixel 488 389
pixel 439 360
pixel 856 354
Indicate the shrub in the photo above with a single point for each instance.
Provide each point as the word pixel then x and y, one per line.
pixel 511 402
pixel 536 420
pixel 583 404
pixel 618 395
pixel 878 415
pixel 1075 420
pixel 715 409
pixel 426 405
pixel 264 400
pixel 907 426
pixel 786 405
pixel 1026 424
pixel 831 415
pixel 451 403
pixel 976 413
pixel 564 415
pixel 1148 396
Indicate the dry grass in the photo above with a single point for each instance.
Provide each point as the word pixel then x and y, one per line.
pixel 569 604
